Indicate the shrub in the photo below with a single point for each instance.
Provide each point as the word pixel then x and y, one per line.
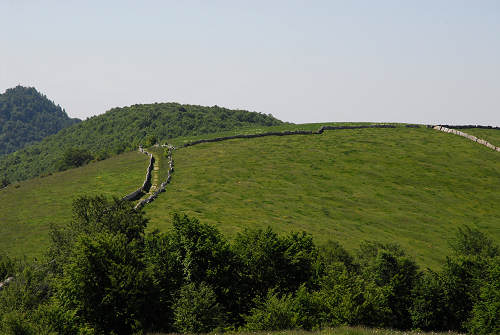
pixel 197 310
pixel 486 311
pixel 74 157
pixel 351 299
pixel 273 313
pixel 105 282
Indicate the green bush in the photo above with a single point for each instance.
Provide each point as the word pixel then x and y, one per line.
pixel 352 300
pixel 197 310
pixel 485 317
pixel 273 313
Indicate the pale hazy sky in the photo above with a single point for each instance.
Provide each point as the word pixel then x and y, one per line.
pixel 302 61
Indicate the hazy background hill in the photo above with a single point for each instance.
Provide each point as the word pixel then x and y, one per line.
pixel 121 129
pixel 27 116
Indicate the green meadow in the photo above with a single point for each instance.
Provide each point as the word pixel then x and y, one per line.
pixel 405 185
pixel 28 208
pixel 413 186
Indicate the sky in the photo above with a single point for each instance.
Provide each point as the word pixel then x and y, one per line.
pixel 302 61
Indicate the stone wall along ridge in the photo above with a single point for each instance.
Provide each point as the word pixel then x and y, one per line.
pixel 470 137
pixel 288 132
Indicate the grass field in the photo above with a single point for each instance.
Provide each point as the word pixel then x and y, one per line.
pixel 339 331
pixel 29 207
pixel 405 185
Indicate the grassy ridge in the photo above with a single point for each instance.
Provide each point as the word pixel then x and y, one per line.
pixel 28 208
pixel 412 186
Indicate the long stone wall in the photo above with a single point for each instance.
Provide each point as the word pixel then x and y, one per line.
pixel 470 137
pixel 147 181
pixel 286 133
pixel 469 126
pixel 163 185
pixel 134 195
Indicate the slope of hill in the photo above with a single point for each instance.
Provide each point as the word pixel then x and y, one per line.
pixel 27 209
pixel 26 116
pixel 405 185
pixel 123 129
pixel 413 186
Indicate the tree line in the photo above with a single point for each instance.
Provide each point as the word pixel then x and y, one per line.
pixel 104 274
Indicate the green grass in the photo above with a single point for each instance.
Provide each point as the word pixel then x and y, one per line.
pixel 490 135
pixel 28 208
pixel 405 185
pixel 338 331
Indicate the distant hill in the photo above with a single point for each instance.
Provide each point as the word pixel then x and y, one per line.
pixel 122 129
pixel 27 116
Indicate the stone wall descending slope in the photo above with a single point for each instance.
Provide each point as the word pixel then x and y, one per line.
pixel 147 181
pixel 470 137
pixel 134 195
pixel 163 185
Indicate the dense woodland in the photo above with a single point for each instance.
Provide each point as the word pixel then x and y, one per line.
pixel 26 117
pixel 103 274
pixel 122 129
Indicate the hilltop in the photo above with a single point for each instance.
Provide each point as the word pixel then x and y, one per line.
pixel 27 116
pixel 122 129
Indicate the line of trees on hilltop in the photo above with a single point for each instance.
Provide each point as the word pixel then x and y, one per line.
pixel 104 275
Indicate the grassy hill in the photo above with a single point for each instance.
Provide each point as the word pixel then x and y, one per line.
pixel 405 185
pixel 413 186
pixel 122 129
pixel 28 208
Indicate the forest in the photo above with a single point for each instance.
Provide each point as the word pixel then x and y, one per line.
pixel 26 117
pixel 106 273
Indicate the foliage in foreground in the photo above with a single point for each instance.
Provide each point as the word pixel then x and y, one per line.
pixel 104 275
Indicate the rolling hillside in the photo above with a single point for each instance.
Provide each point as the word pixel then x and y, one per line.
pixel 406 185
pixel 413 186
pixel 122 129
pixel 28 208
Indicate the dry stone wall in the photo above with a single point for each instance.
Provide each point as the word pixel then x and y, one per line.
pixel 163 185
pixel 6 282
pixel 470 137
pixel 286 133
pixel 147 181
pixel 469 126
